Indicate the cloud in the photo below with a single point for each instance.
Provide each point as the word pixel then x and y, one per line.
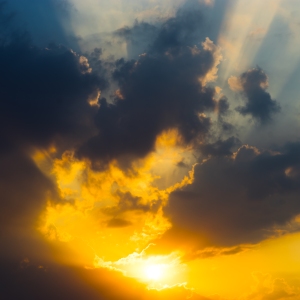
pixel 44 95
pixel 235 200
pixel 259 104
pixel 162 90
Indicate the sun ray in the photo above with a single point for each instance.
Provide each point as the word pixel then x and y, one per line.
pixel 244 29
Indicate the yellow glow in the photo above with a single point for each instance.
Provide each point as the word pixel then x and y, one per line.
pixel 154 272
pixel 79 227
pixel 85 221
pixel 157 271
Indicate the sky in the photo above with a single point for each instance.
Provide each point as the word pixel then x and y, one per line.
pixel 150 149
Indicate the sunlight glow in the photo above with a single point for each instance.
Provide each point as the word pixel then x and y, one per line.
pixel 154 272
pixel 242 35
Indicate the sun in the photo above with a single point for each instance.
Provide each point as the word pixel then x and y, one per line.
pixel 154 272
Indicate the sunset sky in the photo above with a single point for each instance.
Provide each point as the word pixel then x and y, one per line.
pixel 150 149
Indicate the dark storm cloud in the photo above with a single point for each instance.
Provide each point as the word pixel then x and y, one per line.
pixel 44 95
pixel 236 200
pixel 160 90
pixel 259 103
pixel 157 92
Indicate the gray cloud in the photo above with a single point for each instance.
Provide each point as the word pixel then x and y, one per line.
pixel 159 91
pixel 259 103
pixel 236 200
pixel 44 95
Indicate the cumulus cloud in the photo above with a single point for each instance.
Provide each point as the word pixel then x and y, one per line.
pixel 161 90
pixel 259 104
pixel 44 95
pixel 236 199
